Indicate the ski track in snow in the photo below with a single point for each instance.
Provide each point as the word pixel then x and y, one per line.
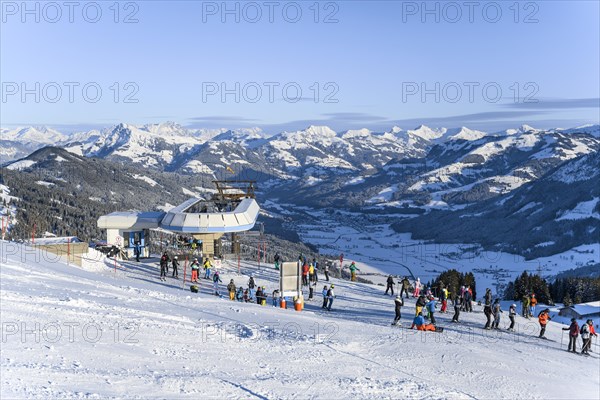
pixel 159 341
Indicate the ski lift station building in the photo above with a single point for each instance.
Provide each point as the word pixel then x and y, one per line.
pixel 194 217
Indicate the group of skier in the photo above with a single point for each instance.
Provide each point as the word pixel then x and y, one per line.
pixel 586 331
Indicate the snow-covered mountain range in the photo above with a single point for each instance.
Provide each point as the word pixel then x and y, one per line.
pixel 467 175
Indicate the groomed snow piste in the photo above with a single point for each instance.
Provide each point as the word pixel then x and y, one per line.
pixel 93 332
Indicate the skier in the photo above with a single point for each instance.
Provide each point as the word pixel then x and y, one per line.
pixel 137 250
pixel 277 258
pixel 585 338
pixel 512 313
pixel 592 331
pixel 305 269
pixel 526 304
pixel 405 285
pixel 251 286
pixel 431 309
pixel 324 292
pixel 573 333
pixel 276 297
pixel 543 319
pixel 496 310
pixel 487 309
pixel 231 288
pixel 261 296
pixel 532 304
pixel 216 280
pixel 587 329
pixel 390 285
pixel 310 292
pixel 326 271
pixel 421 302
pixel 164 262
pixel 417 287
pixel 330 297
pixel 311 273
pixel 195 269
pixel 175 266
pixel 419 322
pixel 207 267
pixel 398 305
pixel 444 299
pixel 316 265
pixel 468 300
pixel 247 297
pixel 239 295
pixel 457 306
pixel 353 269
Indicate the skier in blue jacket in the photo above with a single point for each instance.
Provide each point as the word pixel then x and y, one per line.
pixel 431 309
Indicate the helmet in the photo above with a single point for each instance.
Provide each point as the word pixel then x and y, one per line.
pixel 332 286
pixel 264 287
pixel 514 305
pixel 175 257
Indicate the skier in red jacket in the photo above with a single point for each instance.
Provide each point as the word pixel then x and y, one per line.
pixel 573 333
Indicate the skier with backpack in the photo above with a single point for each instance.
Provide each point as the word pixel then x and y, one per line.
pixel 587 329
pixel 390 285
pixel 543 318
pixel 398 303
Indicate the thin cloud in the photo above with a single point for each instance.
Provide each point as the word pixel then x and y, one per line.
pixel 556 104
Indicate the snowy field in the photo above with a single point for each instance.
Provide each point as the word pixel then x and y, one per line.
pixel 93 332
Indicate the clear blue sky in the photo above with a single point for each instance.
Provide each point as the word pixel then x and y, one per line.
pixel 377 58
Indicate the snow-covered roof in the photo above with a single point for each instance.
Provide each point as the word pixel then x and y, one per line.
pixel 584 309
pixel 131 220
pixel 177 219
pixel 241 219
pixel 56 240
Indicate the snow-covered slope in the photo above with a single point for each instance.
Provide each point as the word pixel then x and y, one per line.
pixel 104 334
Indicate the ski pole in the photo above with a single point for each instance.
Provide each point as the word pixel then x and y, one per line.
pixel 562 333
